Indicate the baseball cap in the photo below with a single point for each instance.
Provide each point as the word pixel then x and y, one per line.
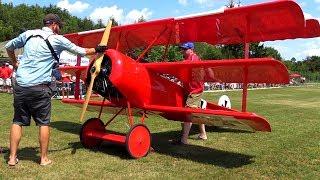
pixel 187 45
pixel 50 18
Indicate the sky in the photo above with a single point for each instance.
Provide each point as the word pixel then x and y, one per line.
pixel 128 11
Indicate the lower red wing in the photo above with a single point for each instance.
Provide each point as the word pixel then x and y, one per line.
pixel 218 116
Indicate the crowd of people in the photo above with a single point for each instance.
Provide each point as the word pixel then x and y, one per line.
pixel 64 86
pixel 232 86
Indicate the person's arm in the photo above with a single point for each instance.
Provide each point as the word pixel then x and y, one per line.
pixel 13 58
pixel 211 76
pixel 71 47
pixel 15 43
pixel 90 51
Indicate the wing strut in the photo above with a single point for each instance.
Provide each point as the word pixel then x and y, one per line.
pixel 151 44
pixel 245 80
pixel 77 94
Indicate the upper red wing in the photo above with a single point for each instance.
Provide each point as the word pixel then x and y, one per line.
pixel 127 37
pixel 312 28
pixel 275 20
pixel 259 70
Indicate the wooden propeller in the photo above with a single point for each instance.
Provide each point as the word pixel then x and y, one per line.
pixel 95 69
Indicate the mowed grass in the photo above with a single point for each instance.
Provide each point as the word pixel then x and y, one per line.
pixel 290 151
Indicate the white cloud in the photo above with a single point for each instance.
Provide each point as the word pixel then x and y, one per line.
pixel 221 9
pixel 119 15
pixel 76 7
pixel 317 1
pixel 309 16
pixel 134 15
pixel 105 13
pixel 298 48
pixel 183 2
pixel 202 1
pixel 312 52
pixel 313 47
pixel 302 4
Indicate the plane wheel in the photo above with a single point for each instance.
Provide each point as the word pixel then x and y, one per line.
pixel 138 141
pixel 93 124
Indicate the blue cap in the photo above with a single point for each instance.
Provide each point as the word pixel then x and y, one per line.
pixel 187 45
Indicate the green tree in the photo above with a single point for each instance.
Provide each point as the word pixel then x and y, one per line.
pixel 208 51
pixel 271 52
pixel 15 19
pixel 114 22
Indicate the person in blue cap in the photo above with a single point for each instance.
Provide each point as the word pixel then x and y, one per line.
pixel 193 93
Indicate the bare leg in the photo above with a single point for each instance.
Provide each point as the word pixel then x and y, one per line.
pixel 203 134
pixel 44 134
pixel 62 90
pixel 185 132
pixel 15 136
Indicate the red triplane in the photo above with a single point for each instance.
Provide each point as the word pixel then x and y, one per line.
pixel 131 87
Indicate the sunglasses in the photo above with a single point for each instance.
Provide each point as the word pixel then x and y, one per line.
pixel 60 25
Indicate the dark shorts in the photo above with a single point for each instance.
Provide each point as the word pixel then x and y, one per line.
pixel 32 102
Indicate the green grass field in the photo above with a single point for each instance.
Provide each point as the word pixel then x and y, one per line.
pixel 290 151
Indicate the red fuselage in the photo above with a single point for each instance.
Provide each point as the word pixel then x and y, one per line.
pixel 141 87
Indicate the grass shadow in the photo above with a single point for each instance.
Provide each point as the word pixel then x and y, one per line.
pixel 66 126
pixel 197 153
pixel 33 153
pixel 161 145
pixel 105 147
pixel 26 153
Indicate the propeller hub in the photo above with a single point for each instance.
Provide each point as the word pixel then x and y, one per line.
pixel 93 69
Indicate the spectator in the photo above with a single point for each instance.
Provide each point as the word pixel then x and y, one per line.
pixel 32 94
pixel 7 75
pixel 2 67
pixel 194 90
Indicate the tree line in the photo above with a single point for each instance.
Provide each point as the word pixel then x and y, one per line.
pixel 16 19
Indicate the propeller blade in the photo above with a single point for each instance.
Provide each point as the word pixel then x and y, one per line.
pixel 105 36
pixel 95 69
pixel 88 95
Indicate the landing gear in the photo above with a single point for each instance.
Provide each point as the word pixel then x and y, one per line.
pixel 138 141
pixel 91 126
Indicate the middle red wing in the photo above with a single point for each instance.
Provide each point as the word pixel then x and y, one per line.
pixel 260 70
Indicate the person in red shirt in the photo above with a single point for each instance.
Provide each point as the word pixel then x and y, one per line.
pixel 2 69
pixel 193 91
pixel 66 80
pixel 7 74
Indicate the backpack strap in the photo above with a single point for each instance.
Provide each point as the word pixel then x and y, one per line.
pixel 52 51
pixel 54 55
